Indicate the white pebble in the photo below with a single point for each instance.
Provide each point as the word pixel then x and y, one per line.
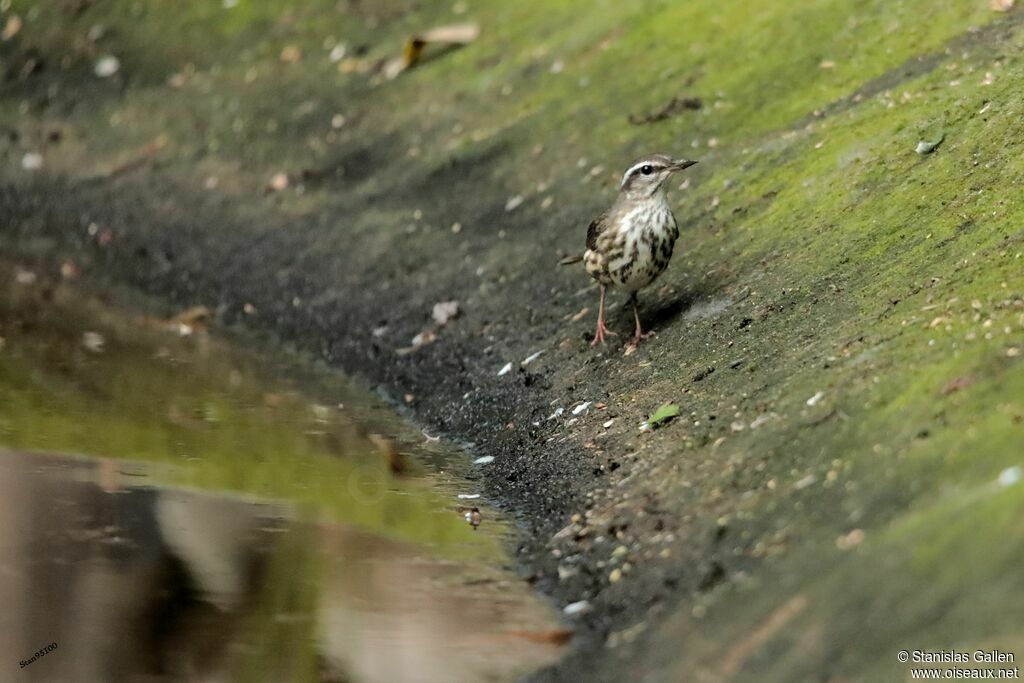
pixel 32 161
pixel 532 357
pixel 107 66
pixel 814 400
pixel 469 496
pixel 93 341
pixel 24 277
pixel 507 368
pixel 484 460
pixel 581 407
pixel 338 52
pixel 805 482
pixel 1010 476
pixel 574 608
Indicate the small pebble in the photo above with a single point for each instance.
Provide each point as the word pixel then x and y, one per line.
pixel 805 482
pixel 575 608
pixel 279 181
pixel 532 357
pixel 93 342
pixel 338 52
pixel 32 161
pixel 507 368
pixel 24 277
pixel 850 540
pixel 444 311
pixel 484 460
pixel 580 408
pixel 1010 476
pixel 107 66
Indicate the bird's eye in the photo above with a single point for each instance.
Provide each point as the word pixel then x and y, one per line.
pixel 646 169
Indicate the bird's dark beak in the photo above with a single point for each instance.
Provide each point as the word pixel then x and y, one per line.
pixel 680 164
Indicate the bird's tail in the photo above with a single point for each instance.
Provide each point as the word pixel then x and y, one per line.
pixel 569 260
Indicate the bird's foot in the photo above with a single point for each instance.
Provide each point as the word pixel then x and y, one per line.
pixel 639 336
pixel 600 333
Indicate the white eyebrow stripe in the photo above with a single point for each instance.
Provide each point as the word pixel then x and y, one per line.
pixel 625 176
pixel 632 168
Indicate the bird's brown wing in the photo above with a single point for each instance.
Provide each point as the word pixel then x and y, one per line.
pixel 597 226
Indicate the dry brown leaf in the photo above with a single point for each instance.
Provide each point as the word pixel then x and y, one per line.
pixel 675 106
pixel 422 339
pixel 143 156
pixel 395 460
pixel 291 54
pixel 957 384
pixel 741 651
pixel 459 34
pixel 12 27
pixel 351 65
pixel 580 314
pixel 412 51
pixel 193 316
pixel 557 636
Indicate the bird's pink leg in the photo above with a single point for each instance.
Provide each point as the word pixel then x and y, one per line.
pixel 602 329
pixel 639 335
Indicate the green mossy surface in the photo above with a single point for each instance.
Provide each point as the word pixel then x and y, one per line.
pixel 820 253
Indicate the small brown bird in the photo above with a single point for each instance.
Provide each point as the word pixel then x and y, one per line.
pixel 631 243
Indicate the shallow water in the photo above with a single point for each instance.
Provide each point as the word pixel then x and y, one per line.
pixel 176 509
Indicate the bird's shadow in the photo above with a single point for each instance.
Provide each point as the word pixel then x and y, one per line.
pixel 658 314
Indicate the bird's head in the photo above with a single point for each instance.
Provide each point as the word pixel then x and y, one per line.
pixel 648 174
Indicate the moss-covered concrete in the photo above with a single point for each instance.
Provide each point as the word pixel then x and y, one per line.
pixel 821 257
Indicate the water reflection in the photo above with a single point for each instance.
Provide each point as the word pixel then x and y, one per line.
pixel 140 583
pixel 229 526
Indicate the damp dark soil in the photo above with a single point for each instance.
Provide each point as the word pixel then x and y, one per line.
pixel 841 328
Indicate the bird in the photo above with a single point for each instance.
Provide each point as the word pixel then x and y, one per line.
pixel 631 243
